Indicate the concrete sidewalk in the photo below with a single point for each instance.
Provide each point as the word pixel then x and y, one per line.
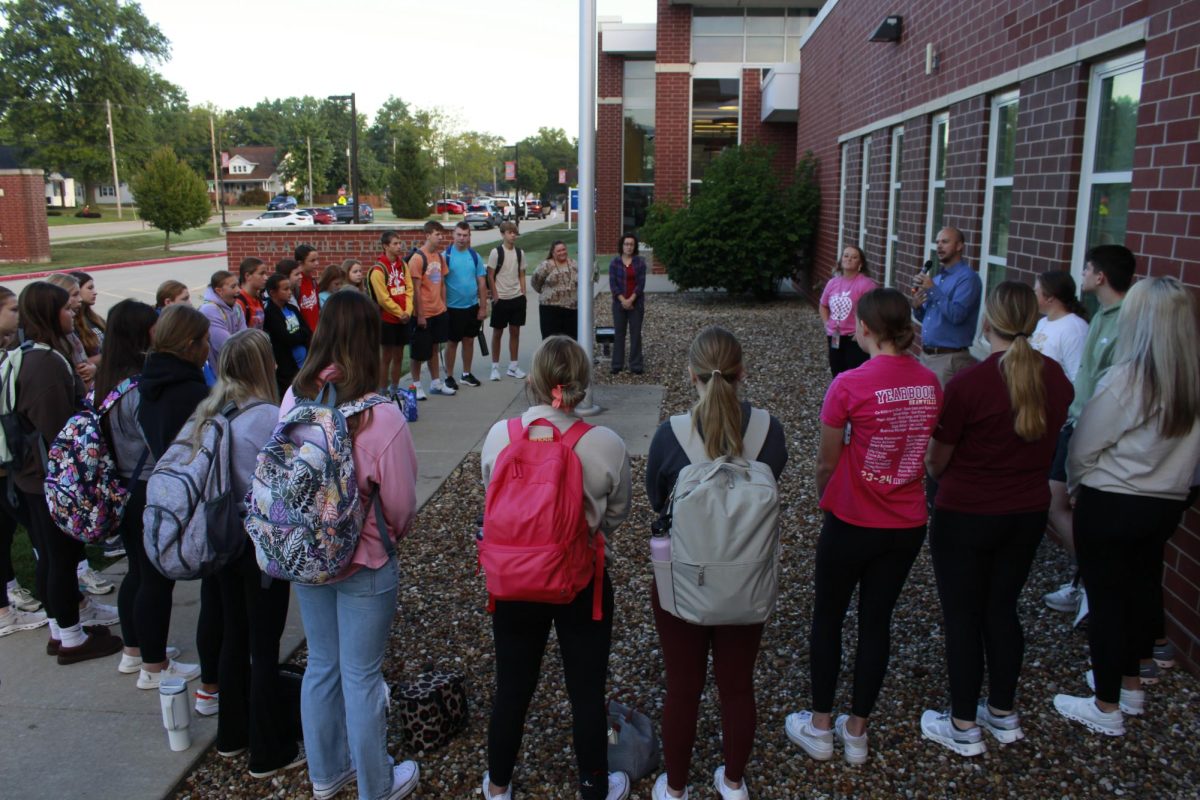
pixel 86 731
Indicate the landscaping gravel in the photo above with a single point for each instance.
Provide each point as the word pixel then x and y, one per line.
pixel 441 620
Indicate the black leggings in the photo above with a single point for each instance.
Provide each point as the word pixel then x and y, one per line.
pixel 1119 541
pixel 877 561
pixel 57 554
pixel 209 630
pixel 981 562
pixel 847 355
pixel 520 631
pixel 10 516
pixel 557 320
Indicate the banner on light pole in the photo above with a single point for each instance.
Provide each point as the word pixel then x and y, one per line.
pixel 510 170
pixel 562 176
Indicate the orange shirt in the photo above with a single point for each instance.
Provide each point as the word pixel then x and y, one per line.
pixel 432 272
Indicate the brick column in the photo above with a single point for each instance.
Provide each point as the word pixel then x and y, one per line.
pixel 610 136
pixel 24 235
pixel 672 113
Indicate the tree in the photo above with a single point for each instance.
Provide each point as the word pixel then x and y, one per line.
pixel 60 60
pixel 555 151
pixel 531 175
pixel 410 180
pixel 170 195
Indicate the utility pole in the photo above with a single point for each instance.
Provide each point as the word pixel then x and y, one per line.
pixel 354 156
pixel 308 143
pixel 112 151
pixel 212 138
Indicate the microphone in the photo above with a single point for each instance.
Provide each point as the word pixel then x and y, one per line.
pixel 925 270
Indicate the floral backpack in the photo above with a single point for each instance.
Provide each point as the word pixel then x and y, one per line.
pixel 304 512
pixel 84 491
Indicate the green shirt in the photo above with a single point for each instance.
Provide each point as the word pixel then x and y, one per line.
pixel 1097 358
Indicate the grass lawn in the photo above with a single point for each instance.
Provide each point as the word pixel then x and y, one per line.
pixel 112 250
pixel 537 245
pixel 107 214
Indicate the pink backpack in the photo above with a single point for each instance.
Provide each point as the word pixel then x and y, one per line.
pixel 536 545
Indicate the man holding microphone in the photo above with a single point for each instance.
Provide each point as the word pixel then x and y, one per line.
pixel 947 306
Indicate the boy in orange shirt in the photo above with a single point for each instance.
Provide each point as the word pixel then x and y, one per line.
pixel 427 271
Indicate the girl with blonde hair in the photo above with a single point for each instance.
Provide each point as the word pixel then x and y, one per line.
pixel 85 362
pixel 990 454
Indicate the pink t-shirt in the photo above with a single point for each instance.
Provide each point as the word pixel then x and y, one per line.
pixel 891 404
pixel 840 296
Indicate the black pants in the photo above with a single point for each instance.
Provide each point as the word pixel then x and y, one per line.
pixel 209 627
pixel 57 554
pixel 631 319
pixel 1119 541
pixel 10 516
pixel 981 562
pixel 877 561
pixel 130 532
pixel 847 355
pixel 520 631
pixel 256 710
pixel 556 320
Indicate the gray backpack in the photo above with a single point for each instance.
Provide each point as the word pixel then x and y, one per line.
pixel 724 529
pixel 193 524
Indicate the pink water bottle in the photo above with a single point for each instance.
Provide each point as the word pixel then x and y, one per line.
pixel 660 548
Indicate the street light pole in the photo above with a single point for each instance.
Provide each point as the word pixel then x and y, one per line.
pixel 353 151
pixel 585 333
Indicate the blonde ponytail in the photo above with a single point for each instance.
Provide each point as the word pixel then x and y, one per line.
pixel 715 358
pixel 1012 315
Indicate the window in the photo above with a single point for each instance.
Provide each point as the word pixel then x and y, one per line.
pixel 997 201
pixel 866 187
pixel 637 143
pixel 751 36
pixel 635 202
pixel 842 204
pixel 716 106
pixel 1108 139
pixel 935 221
pixel 893 238
pixel 108 191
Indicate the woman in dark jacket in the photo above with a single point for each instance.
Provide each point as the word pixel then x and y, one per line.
pixel 627 282
pixel 290 334
pixel 171 387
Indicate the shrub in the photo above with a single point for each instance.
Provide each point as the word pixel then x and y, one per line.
pixel 254 197
pixel 170 195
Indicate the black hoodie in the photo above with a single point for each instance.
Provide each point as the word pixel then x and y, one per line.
pixel 171 388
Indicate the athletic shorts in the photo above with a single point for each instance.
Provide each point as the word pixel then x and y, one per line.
pixel 396 334
pixel 464 323
pixel 423 339
pixel 508 312
pixel 1058 469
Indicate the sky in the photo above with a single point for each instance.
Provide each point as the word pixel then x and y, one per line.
pixel 506 67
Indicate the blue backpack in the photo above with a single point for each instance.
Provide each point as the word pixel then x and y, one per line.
pixel 304 513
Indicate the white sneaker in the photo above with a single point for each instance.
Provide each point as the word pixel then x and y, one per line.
pixel 1065 598
pixel 21 598
pixel 941 729
pixel 487 783
pixel 515 372
pixel 90 582
pixel 207 705
pixel 723 789
pixel 618 786
pixel 174 669
pixel 404 779
pixel 299 761
pixel 1133 701
pixel 1082 613
pixel 495 372
pixel 660 790
pixel 1006 729
pixel 416 389
pixel 13 619
pixel 854 748
pixel 131 664
pixel 326 792
pixel 437 387
pixel 817 743
pixel 1084 710
pixel 96 613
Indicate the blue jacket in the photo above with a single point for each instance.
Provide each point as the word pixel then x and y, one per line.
pixel 616 276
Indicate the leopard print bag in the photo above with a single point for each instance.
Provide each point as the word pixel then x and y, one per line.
pixel 432 709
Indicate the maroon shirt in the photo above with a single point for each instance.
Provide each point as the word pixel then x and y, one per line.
pixel 308 301
pixel 992 470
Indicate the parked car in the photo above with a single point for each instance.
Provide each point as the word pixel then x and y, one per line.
pixel 450 207
pixel 321 216
pixel 278 219
pixel 345 214
pixel 535 209
pixel 483 215
pixel 281 202
pixel 506 207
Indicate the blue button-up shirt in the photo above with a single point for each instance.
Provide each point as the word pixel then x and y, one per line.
pixel 951 307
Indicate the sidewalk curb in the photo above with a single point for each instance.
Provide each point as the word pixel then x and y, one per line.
pixel 23 276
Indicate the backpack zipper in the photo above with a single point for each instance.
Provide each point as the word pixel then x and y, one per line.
pixel 700 581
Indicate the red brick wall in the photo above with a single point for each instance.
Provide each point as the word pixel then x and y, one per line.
pixel 24 235
pixel 780 136
pixel 847 83
pixel 334 243
pixel 672 113
pixel 609 155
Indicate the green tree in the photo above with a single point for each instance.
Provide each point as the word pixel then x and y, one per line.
pixel 531 175
pixel 409 182
pixel 555 151
pixel 733 234
pixel 170 195
pixel 60 60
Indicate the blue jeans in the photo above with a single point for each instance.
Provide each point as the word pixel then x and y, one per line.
pixel 342 700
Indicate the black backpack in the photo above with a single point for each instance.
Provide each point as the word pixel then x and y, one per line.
pixel 500 258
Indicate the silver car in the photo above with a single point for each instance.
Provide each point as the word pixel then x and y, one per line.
pixel 483 215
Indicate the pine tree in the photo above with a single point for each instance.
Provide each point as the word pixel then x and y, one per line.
pixel 409 183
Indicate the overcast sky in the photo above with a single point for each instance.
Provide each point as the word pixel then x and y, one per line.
pixel 502 66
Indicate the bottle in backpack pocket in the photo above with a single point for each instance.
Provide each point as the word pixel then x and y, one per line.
pixel 660 548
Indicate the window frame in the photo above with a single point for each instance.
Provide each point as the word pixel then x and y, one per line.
pixel 986 260
pixel 841 229
pixel 935 144
pixel 864 193
pixel 892 239
pixel 712 71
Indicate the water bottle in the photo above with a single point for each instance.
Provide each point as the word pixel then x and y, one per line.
pixel 173 697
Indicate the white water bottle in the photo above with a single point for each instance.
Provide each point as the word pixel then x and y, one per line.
pixel 173 696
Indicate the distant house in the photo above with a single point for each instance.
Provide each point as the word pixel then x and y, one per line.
pixel 252 168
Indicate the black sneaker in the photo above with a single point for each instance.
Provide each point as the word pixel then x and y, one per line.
pixel 451 383
pixel 468 379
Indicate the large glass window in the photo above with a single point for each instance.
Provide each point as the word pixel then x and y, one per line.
pixel 638 143
pixel 751 36
pixel 864 193
pixel 635 202
pixel 716 105
pixel 893 236
pixel 1108 143
pixel 997 208
pixel 936 217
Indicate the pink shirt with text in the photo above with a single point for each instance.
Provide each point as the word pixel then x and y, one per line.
pixel 841 296
pixel 891 404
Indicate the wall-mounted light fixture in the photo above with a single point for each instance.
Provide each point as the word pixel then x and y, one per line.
pixel 889 30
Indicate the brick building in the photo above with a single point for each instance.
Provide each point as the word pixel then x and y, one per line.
pixel 1039 129
pixel 673 94
pixel 24 236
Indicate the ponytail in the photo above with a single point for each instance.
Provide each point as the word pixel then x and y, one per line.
pixel 1012 315
pixel 715 358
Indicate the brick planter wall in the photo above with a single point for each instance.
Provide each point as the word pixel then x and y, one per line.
pixel 24 235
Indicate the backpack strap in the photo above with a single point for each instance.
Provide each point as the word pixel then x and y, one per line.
pixel 573 434
pixel 752 441
pixel 116 394
pixel 689 440
pixel 499 259
pixel 755 437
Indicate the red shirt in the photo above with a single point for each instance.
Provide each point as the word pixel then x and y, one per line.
pixel 891 404
pixel 994 471
pixel 309 301
pixel 252 309
pixel 630 280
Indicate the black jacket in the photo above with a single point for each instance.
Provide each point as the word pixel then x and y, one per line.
pixel 171 388
pixel 282 343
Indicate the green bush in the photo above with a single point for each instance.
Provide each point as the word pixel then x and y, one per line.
pixel 170 195
pixel 254 197
pixel 743 230
pixel 409 180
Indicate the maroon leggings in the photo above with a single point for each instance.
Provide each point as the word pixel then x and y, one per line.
pixel 685 651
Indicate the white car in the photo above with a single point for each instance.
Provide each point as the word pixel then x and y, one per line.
pixel 279 219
